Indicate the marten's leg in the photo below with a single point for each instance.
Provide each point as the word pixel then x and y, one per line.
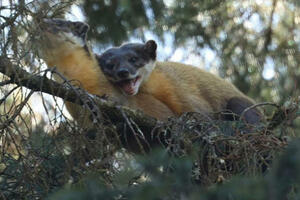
pixel 237 105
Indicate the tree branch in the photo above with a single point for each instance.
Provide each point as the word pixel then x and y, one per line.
pixel 115 113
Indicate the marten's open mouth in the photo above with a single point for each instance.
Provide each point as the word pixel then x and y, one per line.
pixel 130 86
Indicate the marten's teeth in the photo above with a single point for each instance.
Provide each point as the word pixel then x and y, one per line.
pixel 129 86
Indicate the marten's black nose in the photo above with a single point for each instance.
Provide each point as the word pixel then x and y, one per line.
pixel 123 73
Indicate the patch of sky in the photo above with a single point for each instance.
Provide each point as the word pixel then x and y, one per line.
pixel 254 23
pixel 268 71
pixel 149 12
pixel 75 14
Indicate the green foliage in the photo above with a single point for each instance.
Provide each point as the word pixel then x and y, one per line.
pixel 35 175
pixel 158 182
pixel 70 165
pixel 168 178
pixel 116 21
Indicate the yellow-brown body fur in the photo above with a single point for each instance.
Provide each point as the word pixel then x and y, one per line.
pixel 172 88
pixel 185 88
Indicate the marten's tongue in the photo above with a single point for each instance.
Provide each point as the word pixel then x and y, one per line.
pixel 128 86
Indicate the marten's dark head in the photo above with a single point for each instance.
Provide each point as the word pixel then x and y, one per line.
pixel 129 65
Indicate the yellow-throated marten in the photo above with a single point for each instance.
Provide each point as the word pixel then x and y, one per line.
pixel 132 77
pixel 132 68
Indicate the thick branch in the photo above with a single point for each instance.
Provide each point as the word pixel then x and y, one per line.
pixel 21 77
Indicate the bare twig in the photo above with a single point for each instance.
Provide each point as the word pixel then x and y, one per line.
pixel 17 113
pixel 257 105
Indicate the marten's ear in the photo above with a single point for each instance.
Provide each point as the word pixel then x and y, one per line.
pixel 81 29
pixel 150 48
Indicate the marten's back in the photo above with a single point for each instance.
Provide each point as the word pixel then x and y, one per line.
pixel 187 88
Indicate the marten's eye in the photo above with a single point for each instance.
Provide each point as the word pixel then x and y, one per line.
pixel 133 59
